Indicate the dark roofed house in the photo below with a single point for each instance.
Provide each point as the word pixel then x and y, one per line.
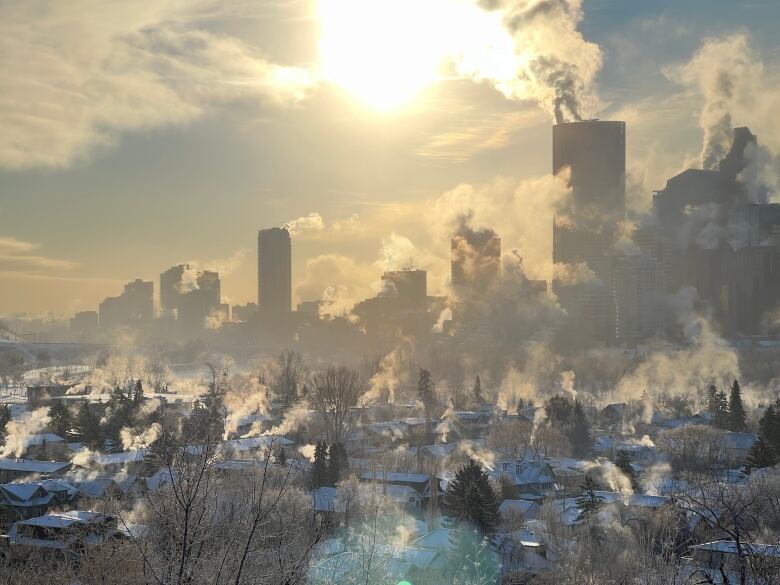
pixel 418 481
pixel 614 414
pixel 15 469
pixel 20 501
pixel 737 446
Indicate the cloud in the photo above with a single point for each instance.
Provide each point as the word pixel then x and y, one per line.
pixel 476 131
pixel 727 75
pixel 75 75
pixel 338 281
pixel 15 258
pixel 314 227
pixel 308 223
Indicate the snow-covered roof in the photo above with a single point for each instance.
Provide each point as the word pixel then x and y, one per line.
pixel 261 442
pixel 38 439
pixel 395 476
pixel 22 491
pixel 523 506
pixel 438 540
pixel 99 487
pixel 742 441
pixel 730 547
pixel 120 458
pixel 31 466
pixel 63 519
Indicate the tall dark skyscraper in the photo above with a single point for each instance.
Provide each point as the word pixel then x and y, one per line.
pixel 170 289
pixel 274 272
pixel 595 154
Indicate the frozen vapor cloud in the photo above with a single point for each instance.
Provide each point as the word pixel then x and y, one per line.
pixel 550 61
pixel 87 71
pixel 308 223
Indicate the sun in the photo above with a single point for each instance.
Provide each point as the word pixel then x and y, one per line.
pixel 383 52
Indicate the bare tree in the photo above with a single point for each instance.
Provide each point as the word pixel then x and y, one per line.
pixel 334 394
pixel 510 437
pixel 734 512
pixel 693 448
pixel 290 376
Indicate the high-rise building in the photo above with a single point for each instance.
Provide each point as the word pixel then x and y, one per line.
pixel 171 289
pixel 201 302
pixel 639 290
pixel 594 153
pixel 134 305
pixel 274 272
pixel 475 260
pixel 84 322
pixel 409 288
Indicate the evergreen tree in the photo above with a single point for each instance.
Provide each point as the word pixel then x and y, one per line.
pixel 471 501
pixel 138 393
pixel 61 420
pixel 712 401
pixel 320 468
pixel 425 391
pixel 43 451
pixel 473 560
pixel 337 463
pixel 579 432
pixel 281 457
pixel 762 454
pixel 623 463
pixel 721 418
pixel 87 430
pixel 770 425
pixel 5 418
pixel 559 410
pixel 478 390
pixel 589 502
pixel 737 415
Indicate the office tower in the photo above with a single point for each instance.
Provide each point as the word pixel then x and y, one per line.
pixel 639 290
pixel 408 287
pixel 594 152
pixel 171 289
pixel 475 260
pixel 134 305
pixel 84 322
pixel 199 303
pixel 274 272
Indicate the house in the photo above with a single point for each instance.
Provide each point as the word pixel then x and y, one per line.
pixel 327 500
pixel 114 463
pixel 614 415
pixel 719 557
pixel 642 452
pixel 98 491
pixel 470 424
pixel 736 446
pixel 64 531
pixel 15 469
pixel 257 423
pixel 523 553
pixel 519 509
pixel 254 447
pixel 46 394
pixel 418 481
pixel 569 472
pixel 50 445
pixel 21 501
pixel 529 480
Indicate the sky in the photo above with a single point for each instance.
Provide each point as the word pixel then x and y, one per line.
pixel 135 136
